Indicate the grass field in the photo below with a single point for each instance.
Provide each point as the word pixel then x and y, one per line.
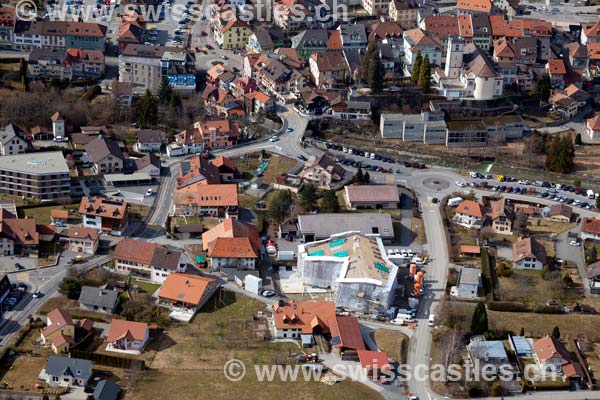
pixel 394 343
pixel 23 373
pixel 277 165
pixel 145 286
pixel 190 359
pixel 42 214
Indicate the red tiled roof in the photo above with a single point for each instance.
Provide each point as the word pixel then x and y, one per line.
pixel 185 288
pixel 345 333
pixel 475 5
pixel 549 347
pixel 374 359
pixel 469 207
pixel 557 67
pixel 304 315
pixel 63 214
pixel 120 329
pixel 591 225
pixel 57 320
pixel 135 250
pixel 528 248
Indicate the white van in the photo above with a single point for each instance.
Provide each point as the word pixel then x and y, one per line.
pixel 372 157
pixel 404 316
pixel 431 320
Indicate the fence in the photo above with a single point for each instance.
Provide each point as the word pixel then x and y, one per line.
pixel 109 360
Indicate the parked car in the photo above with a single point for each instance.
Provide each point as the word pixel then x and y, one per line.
pixel 301 157
pixel 268 293
pixel 575 242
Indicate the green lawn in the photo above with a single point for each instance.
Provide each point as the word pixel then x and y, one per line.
pixel 145 286
pixel 42 214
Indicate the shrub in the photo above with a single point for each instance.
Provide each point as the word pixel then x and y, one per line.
pixel 507 306
pixel 548 310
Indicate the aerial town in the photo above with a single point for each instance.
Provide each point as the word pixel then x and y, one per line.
pixel 349 199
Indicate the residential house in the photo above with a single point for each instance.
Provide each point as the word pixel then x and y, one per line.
pixel 130 32
pixel 186 294
pixel 17 236
pixel 490 352
pixel 387 30
pixel 217 134
pixel 590 229
pixel 576 56
pixel 59 217
pixel 258 102
pixel 59 332
pixel 232 252
pixel 232 33
pixel 148 260
pixel 418 41
pixel 145 66
pixel 149 164
pixel 482 31
pixel 149 140
pixel 207 200
pixel 315 227
pixel 590 33
pixel 528 253
pixel 227 170
pixel 324 172
pixel 127 337
pixel 232 228
pixel 83 240
pixel 594 277
pixel 469 281
pixel 503 50
pixel 551 354
pixel 371 196
pixel 122 92
pixel 328 68
pixel 525 50
pixel 404 12
pixel 470 214
pixel 106 390
pixel 300 320
pixel 312 41
pixel 98 300
pixel 353 36
pixel 105 155
pixel 557 71
pixel 11 142
pixel 85 35
pixel 560 213
pixel 67 372
pixel 7 26
pixel 106 215
pixel 564 105
pixel 592 128
pixel 503 217
pixel 474 6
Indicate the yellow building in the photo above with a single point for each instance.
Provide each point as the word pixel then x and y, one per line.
pixel 233 34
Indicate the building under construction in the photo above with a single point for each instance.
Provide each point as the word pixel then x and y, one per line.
pixel 354 267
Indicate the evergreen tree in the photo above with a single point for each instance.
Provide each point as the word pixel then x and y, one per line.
pixel 308 197
pixel 479 323
pixel 416 69
pixel 593 255
pixel 520 225
pixel 358 177
pixel 556 332
pixel 280 205
pixel 371 49
pixel 146 110
pixel 425 75
pixel 522 332
pixel 330 202
pixel 366 178
pixel 542 88
pixel 560 155
pixel 376 74
pixel 165 91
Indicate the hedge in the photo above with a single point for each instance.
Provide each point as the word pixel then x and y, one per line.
pixel 108 360
pixel 507 306
pixel 548 310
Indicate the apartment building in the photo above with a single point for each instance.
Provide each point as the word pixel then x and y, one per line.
pixel 41 176
pixel 73 63
pixel 144 66
pixel 404 12
pixel 11 141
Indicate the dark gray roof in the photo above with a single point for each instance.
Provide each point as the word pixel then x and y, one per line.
pixel 311 39
pixel 101 147
pixel 148 159
pixel 8 133
pixel 54 55
pixel 190 228
pixel 166 257
pixel 76 367
pixel 325 225
pixel 264 39
pixel 94 296
pixel 354 58
pixel 106 390
pixel 150 136
pixel 481 24
pixel 354 34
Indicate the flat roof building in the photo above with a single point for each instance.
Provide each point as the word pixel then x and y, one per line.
pixel 41 176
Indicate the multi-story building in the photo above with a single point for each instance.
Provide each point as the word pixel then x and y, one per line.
pixel 41 176
pixel 427 127
pixel 404 12
pixel 84 35
pixel 10 141
pixel 469 133
pixel 528 253
pixel 232 34
pixel 503 216
pixel 56 63
pixel 328 68
pixel 217 134
pixel 83 240
pixel 106 215
pixel 7 26
pixel 418 41
pixel 17 236
pixel 105 155
pixel 144 67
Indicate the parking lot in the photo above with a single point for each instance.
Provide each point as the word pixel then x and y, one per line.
pixel 137 194
pixel 14 263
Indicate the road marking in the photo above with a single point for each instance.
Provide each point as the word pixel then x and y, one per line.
pixel 153 227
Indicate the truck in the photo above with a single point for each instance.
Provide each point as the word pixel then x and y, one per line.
pixel 591 194
pixel 287 255
pixel 453 202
